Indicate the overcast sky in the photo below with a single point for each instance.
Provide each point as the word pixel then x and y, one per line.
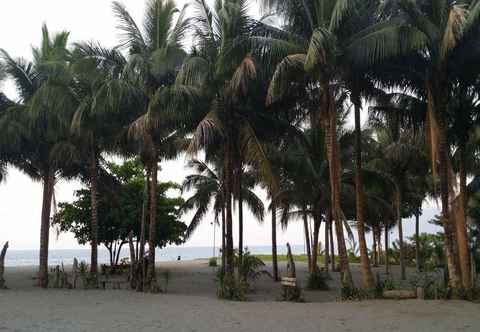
pixel 20 198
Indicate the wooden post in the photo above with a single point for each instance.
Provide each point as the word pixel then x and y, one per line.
pixel 290 289
pixel 75 272
pixel 2 265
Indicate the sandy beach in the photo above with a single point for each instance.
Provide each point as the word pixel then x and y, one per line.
pixel 191 305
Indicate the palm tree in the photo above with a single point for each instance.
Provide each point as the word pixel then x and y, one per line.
pixel 400 161
pixel 322 39
pixel 437 39
pixel 208 187
pixel 155 54
pixel 222 73
pixel 33 127
pixel 93 126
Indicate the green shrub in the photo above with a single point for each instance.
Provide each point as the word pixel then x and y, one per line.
pixel 229 288
pixel 212 262
pixel 318 281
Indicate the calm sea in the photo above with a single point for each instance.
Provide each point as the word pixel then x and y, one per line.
pixel 65 256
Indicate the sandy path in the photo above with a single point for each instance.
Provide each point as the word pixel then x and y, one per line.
pixel 191 305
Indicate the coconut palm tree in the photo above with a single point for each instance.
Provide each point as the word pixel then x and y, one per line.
pixel 94 126
pixel 222 72
pixel 155 54
pixel 321 39
pixel 400 161
pixel 437 39
pixel 34 127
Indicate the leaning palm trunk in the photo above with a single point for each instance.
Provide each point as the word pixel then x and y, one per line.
pixel 307 242
pixel 398 204
pixel 274 243
pixel 94 217
pixel 151 275
pixel 367 275
pixel 334 172
pixel 459 212
pixel 48 185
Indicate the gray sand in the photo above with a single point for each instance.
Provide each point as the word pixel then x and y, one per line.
pixel 191 305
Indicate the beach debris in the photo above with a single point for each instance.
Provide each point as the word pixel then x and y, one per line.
pixel 2 265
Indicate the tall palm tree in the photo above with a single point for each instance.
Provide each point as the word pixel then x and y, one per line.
pixel 437 39
pixel 222 73
pixel 93 126
pixel 35 125
pixel 155 54
pixel 322 39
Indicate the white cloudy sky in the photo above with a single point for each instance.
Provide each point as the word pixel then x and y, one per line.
pixel 20 198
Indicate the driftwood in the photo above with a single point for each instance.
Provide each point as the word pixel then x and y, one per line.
pixel 290 289
pixel 2 265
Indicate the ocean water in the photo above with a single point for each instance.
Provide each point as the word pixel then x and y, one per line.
pixel 66 256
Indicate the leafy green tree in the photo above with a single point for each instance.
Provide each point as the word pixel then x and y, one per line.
pixel 120 206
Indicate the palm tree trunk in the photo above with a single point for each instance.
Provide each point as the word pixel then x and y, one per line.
pixel 367 275
pixel 48 186
pixel 307 242
pixel 398 204
pixel 141 256
pixel 462 238
pixel 94 220
pixel 332 148
pixel 374 250
pixel 152 280
pixel 274 243
pixel 223 240
pixel 378 232
pixel 230 265
pixel 387 263
pixel 438 103
pixel 316 231
pixel 240 220
pixel 417 242
pixel 332 244
pixel 327 243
